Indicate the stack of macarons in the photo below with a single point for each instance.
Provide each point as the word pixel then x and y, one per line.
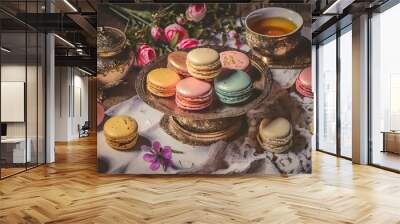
pixel 233 86
pixel 193 94
pixel 121 132
pixel 304 83
pixel 234 60
pixel 203 63
pixel 162 82
pixel 204 70
pixel 275 134
pixel 177 62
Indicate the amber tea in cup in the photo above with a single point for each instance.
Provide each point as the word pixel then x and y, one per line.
pixel 273 26
pixel 273 31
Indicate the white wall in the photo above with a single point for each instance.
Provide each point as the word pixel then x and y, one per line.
pixel 71 93
pixel 33 127
pixel 16 73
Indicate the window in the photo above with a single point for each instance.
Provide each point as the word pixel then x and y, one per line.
pixel 385 89
pixel 346 92
pixel 326 96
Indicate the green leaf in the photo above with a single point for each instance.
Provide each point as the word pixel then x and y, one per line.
pixel 198 32
pixel 224 39
pixel 174 40
pixel 176 151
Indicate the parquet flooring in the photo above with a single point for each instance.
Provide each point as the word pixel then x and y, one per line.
pixel 70 191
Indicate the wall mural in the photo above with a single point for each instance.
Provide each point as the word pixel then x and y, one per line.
pixel 204 89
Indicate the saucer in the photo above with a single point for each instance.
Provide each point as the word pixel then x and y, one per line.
pixel 298 59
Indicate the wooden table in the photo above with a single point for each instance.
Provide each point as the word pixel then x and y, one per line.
pixel 391 141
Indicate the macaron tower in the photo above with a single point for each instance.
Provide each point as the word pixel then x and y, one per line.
pixel 162 82
pixel 234 60
pixel 121 132
pixel 203 63
pixel 275 135
pixel 233 86
pixel 304 83
pixel 193 94
pixel 177 62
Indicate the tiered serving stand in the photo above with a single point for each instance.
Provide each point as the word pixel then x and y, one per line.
pixel 218 122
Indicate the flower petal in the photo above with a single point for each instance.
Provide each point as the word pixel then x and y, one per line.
pixel 167 152
pixel 156 146
pixel 155 165
pixel 149 157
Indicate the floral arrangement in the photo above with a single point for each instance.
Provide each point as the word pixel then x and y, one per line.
pixel 152 33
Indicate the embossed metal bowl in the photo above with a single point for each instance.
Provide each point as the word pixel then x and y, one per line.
pixel 110 41
pixel 114 58
pixel 259 72
pixel 273 46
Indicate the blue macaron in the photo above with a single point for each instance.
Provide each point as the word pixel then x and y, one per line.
pixel 233 86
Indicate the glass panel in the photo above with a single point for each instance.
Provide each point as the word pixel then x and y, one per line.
pixel 13 86
pixel 327 96
pixel 41 99
pixel 346 94
pixel 385 84
pixel 32 85
pixel 31 98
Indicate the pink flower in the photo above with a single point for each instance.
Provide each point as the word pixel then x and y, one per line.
pixel 232 34
pixel 188 43
pixel 157 33
pixel 181 20
pixel 196 12
pixel 145 54
pixel 175 29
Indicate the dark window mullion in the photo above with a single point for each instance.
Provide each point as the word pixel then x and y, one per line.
pixel 26 87
pixel 0 97
pixel 317 96
pixel 37 89
pixel 338 115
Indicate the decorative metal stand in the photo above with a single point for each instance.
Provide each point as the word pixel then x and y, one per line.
pixel 218 122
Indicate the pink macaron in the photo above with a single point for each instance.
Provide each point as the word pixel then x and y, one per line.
pixel 193 94
pixel 304 83
pixel 234 60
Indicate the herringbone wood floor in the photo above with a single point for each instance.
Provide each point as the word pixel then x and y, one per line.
pixel 70 191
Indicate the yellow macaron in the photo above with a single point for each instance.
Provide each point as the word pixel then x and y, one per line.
pixel 121 132
pixel 275 134
pixel 162 81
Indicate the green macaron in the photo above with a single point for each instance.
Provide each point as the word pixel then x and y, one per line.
pixel 233 86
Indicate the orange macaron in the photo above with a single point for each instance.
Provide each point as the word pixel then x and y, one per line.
pixel 177 62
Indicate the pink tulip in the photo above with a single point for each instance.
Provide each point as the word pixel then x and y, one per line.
pixel 188 43
pixel 157 33
pixel 175 29
pixel 145 54
pixel 196 12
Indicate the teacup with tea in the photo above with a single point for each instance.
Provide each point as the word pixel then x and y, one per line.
pixel 273 31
